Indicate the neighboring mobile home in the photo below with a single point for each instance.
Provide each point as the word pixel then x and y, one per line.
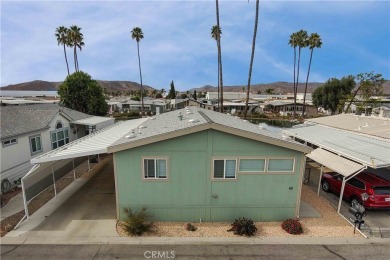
pixel 31 130
pixel 198 165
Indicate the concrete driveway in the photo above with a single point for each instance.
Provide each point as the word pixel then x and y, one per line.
pixel 90 211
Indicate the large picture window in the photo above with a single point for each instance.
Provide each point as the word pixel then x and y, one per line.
pixel 35 144
pixel 252 165
pixel 59 138
pixel 281 165
pixel 155 168
pixel 224 169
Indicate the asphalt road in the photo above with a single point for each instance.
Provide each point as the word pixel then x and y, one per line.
pixel 377 252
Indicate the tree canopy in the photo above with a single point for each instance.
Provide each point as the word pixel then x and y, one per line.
pixel 334 93
pixel 172 92
pixel 80 92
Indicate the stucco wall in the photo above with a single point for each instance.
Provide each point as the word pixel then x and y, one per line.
pixel 187 194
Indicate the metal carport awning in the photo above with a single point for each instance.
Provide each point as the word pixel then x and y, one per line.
pixel 334 162
pixel 339 164
pixel 43 172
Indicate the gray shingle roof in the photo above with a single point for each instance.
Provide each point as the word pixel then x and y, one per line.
pixel 19 120
pixel 195 117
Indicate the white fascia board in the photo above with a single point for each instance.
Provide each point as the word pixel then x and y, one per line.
pixel 67 156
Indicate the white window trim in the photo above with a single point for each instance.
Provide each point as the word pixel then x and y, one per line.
pixel 281 158
pixel 31 149
pixel 56 132
pixel 155 165
pixel 10 140
pixel 253 158
pixel 224 159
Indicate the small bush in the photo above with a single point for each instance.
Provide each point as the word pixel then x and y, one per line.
pixel 191 227
pixel 137 223
pixel 243 227
pixel 292 226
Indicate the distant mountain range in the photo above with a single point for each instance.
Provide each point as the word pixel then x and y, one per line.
pixel 123 86
pixel 40 85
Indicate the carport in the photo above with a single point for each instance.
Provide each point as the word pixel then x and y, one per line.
pixel 46 168
pixel 343 151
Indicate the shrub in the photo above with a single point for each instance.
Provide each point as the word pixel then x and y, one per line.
pixel 137 222
pixel 292 226
pixel 243 227
pixel 191 227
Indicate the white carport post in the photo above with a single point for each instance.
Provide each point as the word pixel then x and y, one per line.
pixel 343 186
pixel 319 181
pixel 74 171
pixel 54 181
pixel 89 166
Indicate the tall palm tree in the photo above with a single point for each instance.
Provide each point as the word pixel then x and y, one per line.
pixel 138 35
pixel 62 38
pixel 302 43
pixel 252 56
pixel 216 34
pixel 76 41
pixel 294 43
pixel 219 54
pixel 314 41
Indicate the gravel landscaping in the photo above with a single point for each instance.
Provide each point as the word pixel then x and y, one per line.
pixel 330 224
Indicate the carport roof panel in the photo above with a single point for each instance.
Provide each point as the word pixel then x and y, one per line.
pixel 370 151
pixel 94 143
pixel 94 120
pixel 334 162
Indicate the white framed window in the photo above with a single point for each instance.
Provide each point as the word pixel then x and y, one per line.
pixel 281 165
pixel 59 138
pixel 251 165
pixel 224 168
pixel 9 142
pixel 155 168
pixel 35 144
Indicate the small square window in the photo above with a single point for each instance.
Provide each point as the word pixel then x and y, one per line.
pixel 155 168
pixel 224 169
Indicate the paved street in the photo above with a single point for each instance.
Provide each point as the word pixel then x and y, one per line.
pixel 376 252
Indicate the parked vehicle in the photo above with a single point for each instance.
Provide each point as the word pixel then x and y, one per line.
pixel 377 189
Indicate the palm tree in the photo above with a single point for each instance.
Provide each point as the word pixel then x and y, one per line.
pixel 302 43
pixel 252 56
pixel 216 34
pixel 138 35
pixel 75 40
pixel 219 54
pixel 62 38
pixel 294 43
pixel 314 41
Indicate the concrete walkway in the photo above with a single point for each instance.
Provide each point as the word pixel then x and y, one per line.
pixel 13 206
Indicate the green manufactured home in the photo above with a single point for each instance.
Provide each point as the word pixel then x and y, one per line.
pixel 198 165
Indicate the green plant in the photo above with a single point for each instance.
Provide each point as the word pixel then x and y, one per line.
pixel 292 226
pixel 137 222
pixel 191 227
pixel 18 181
pixel 243 227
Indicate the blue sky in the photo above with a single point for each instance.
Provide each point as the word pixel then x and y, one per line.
pixel 178 46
